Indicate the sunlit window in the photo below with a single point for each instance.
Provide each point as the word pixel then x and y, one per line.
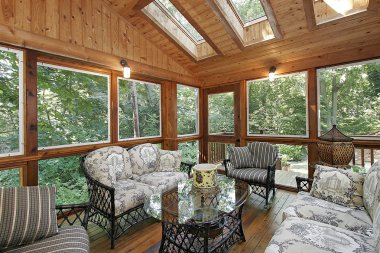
pixel 248 10
pixel 187 110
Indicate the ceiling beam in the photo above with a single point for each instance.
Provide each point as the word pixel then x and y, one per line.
pixel 272 18
pixel 141 4
pixel 308 7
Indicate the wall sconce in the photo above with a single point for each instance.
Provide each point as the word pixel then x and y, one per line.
pixel 126 68
pixel 272 73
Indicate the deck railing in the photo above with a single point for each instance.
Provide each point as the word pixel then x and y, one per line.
pixel 365 157
pixel 217 152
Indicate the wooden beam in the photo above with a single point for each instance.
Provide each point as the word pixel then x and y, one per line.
pixel 141 4
pixel 227 26
pixel 308 7
pixel 114 115
pixel 271 18
pixel 313 118
pixel 169 115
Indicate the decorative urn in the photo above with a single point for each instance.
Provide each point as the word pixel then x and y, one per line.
pixel 204 175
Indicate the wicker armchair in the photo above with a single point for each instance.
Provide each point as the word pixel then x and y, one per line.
pixel 259 175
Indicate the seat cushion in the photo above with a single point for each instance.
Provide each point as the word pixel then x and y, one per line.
pixel 251 175
pixel 264 154
pixel 297 235
pixel 27 214
pixel 72 239
pixel 145 158
pixel 170 160
pixel 164 181
pixel 311 208
pixel 371 189
pixel 130 193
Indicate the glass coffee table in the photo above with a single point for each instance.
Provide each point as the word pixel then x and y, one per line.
pixel 200 220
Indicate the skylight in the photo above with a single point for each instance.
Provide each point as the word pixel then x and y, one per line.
pixel 248 10
pixel 182 21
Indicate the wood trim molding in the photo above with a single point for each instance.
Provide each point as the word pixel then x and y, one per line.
pixel 272 18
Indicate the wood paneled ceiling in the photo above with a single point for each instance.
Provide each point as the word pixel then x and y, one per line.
pixel 295 25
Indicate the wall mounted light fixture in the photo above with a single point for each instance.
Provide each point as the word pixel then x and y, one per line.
pixel 126 68
pixel 272 73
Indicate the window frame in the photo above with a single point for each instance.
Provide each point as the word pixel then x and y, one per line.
pixel 240 18
pixel 307 132
pixel 42 63
pixel 198 109
pixel 118 101
pixel 21 103
pixel 364 138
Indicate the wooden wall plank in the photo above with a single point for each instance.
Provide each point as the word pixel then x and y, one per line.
pixel 65 20
pixel 106 29
pixel 7 14
pixel 88 36
pixel 97 25
pixel 77 22
pixel 23 14
pixel 38 20
pixel 115 34
pixel 52 19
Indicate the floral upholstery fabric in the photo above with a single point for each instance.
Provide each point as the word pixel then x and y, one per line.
pixel 339 186
pixel 145 158
pixel 108 164
pixel 163 181
pixel 371 189
pixel 311 208
pixel 297 235
pixel 129 194
pixel 170 160
pixel 376 228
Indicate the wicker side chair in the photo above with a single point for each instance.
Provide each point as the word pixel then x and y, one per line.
pixel 260 175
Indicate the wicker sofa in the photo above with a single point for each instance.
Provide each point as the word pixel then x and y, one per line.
pixel 120 180
pixel 323 226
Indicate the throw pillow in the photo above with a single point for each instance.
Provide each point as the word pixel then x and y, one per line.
pixel 240 157
pixel 264 154
pixel 339 186
pixel 371 189
pixel 145 158
pixel 27 214
pixel 170 160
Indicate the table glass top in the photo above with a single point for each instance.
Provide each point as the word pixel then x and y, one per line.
pixel 188 204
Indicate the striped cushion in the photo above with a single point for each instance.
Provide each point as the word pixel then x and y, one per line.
pixel 73 239
pixel 264 154
pixel 27 214
pixel 240 157
pixel 251 175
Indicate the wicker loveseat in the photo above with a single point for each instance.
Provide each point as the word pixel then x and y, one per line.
pixel 120 180
pixel 321 226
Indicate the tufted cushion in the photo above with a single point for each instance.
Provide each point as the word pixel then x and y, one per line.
pixel 108 164
pixel 371 189
pixel 339 186
pixel 170 160
pixel 145 158
pixel 27 214
pixel 264 154
pixel 164 181
pixel 240 157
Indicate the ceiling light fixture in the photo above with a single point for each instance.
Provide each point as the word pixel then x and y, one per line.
pixel 340 6
pixel 126 68
pixel 272 73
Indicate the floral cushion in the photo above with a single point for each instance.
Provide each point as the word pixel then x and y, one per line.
pixel 170 160
pixel 145 158
pixel 164 181
pixel 371 189
pixel 339 186
pixel 376 228
pixel 129 194
pixel 297 235
pixel 311 208
pixel 108 164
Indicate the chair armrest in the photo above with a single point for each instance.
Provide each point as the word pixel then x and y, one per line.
pixel 186 167
pixel 72 214
pixel 304 184
pixel 227 166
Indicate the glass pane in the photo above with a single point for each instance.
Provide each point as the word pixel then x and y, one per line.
pixel 139 109
pixel 248 9
pixel 190 151
pixel 10 178
pixel 187 110
pixel 72 106
pixel 173 11
pixel 350 98
pixel 278 107
pixel 10 99
pixel 66 175
pixel 221 113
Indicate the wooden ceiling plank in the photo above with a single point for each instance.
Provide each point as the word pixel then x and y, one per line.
pixel 267 6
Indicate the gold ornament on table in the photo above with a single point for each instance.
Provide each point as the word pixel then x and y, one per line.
pixel 205 175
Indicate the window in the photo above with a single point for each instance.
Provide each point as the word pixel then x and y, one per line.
pixel 187 110
pixel 65 174
pixel 278 107
pixel 248 10
pixel 139 109
pixel 221 113
pixel 10 177
pixel 180 19
pixel 350 98
pixel 190 151
pixel 11 102
pixel 73 106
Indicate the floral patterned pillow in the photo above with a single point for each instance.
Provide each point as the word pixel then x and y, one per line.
pixel 170 160
pixel 145 158
pixel 371 188
pixel 339 186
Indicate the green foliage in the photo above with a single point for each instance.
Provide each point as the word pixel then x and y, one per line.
pixel 10 178
pixel 190 151
pixel 221 113
pixel 293 152
pixel 249 9
pixel 187 110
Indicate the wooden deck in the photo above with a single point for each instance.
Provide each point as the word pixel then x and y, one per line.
pixel 259 226
pixel 288 178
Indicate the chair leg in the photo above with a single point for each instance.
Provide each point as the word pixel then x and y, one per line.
pixel 267 191
pixel 113 233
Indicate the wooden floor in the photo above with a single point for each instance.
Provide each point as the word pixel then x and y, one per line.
pixel 259 226
pixel 288 178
